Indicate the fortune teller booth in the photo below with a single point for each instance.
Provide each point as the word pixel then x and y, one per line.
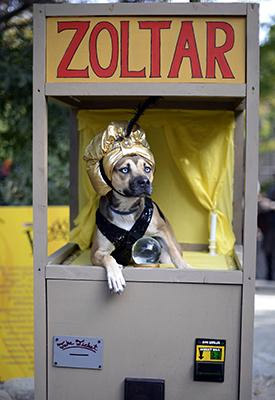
pixel 172 334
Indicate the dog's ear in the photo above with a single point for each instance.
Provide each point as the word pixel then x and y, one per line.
pixel 140 110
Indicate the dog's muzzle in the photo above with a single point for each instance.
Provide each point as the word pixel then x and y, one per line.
pixel 138 186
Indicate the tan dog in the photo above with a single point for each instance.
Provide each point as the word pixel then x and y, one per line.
pixel 122 207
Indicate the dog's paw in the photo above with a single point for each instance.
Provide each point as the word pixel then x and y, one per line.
pixel 116 281
pixel 183 265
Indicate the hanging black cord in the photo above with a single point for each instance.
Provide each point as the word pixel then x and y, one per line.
pixel 140 110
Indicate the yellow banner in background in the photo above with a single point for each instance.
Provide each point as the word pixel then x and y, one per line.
pixel 16 284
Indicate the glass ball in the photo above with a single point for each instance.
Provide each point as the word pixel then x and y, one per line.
pixel 146 250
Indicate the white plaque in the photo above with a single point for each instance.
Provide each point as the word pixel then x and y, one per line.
pixel 78 352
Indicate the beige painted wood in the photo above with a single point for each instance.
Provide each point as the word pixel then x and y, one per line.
pixel 167 102
pixel 40 202
pixel 61 254
pixel 77 296
pixel 148 331
pixel 250 213
pixel 147 89
pixel 146 9
pixel 89 272
pixel 73 167
pixel 238 190
pixel 238 256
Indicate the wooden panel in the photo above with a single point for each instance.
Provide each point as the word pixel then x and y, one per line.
pixel 145 9
pixel 107 49
pixel 40 200
pixel 73 168
pixel 167 102
pixel 150 89
pixel 250 213
pixel 149 331
pixel 61 254
pixel 238 190
pixel 144 274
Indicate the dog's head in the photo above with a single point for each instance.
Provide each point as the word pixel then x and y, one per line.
pixel 133 176
pixel 107 165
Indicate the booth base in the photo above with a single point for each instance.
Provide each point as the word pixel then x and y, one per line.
pixel 148 332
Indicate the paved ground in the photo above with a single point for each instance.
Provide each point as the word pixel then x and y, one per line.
pixel 264 342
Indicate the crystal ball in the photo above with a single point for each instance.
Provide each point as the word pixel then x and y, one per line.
pixel 146 250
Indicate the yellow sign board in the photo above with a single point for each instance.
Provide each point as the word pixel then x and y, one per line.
pixel 16 284
pixel 146 49
pixel 209 353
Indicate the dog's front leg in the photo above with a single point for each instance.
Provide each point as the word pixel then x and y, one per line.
pixel 115 278
pixel 172 248
pixel 101 255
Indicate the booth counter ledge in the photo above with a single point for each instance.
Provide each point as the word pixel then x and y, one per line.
pixel 63 265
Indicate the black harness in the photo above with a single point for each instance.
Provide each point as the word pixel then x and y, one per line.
pixel 123 240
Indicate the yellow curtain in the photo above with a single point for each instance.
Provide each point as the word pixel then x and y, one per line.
pixel 194 175
pixel 203 152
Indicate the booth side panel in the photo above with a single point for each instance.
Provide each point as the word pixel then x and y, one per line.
pixel 40 200
pixel 238 211
pixel 250 214
pixel 73 168
pixel 148 332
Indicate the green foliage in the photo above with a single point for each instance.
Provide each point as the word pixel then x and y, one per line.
pixel 16 125
pixel 266 186
pixel 267 85
pixel 58 181
pixel 267 65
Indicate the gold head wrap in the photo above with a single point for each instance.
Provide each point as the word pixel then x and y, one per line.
pixel 110 146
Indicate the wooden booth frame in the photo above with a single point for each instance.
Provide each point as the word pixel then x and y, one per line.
pixel 242 98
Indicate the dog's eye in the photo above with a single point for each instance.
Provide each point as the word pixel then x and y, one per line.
pixel 147 169
pixel 124 170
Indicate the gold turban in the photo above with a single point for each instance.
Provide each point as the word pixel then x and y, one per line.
pixel 110 146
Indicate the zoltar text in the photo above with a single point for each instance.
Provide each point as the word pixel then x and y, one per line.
pixel 185 50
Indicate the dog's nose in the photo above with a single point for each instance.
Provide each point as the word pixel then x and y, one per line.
pixel 143 181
